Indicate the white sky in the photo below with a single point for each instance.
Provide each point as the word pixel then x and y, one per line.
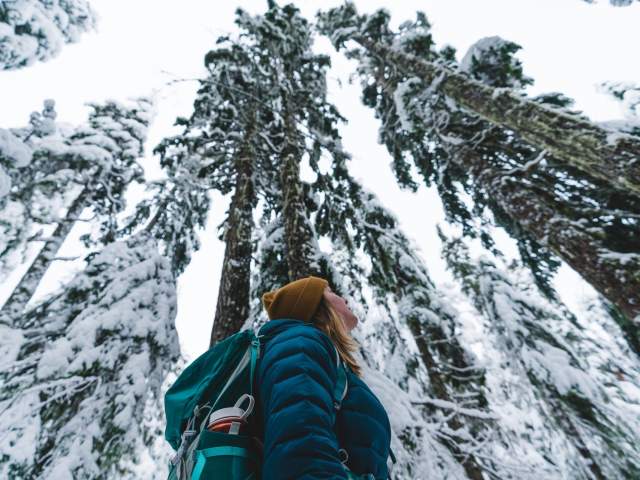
pixel 568 46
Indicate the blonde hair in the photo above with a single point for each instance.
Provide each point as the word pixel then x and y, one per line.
pixel 329 321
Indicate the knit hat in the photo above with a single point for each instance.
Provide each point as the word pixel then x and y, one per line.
pixel 298 300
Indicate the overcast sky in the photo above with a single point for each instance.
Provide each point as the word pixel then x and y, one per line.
pixel 141 45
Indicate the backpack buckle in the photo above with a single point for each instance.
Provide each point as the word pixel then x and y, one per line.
pixel 185 440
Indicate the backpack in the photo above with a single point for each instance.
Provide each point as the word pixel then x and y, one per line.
pixel 221 378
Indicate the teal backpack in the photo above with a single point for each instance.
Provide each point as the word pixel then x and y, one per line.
pixel 221 378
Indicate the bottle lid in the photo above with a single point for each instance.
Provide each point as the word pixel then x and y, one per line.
pixel 230 413
pixel 235 413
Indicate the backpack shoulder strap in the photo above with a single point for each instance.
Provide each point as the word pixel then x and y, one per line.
pixel 342 385
pixel 340 391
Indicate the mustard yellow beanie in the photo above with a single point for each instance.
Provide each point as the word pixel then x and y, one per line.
pixel 298 299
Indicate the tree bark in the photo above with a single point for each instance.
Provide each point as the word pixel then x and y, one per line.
pixel 29 282
pixel 580 143
pixel 557 411
pixel 405 276
pixel 539 213
pixel 536 211
pixel 423 335
pixel 302 257
pixel 233 306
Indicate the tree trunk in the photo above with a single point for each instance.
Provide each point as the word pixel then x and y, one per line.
pixel 28 284
pixel 424 335
pixel 403 274
pixel 577 142
pixel 540 214
pixel 302 255
pixel 563 418
pixel 615 276
pixel 233 306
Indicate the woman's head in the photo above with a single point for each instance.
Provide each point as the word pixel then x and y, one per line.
pixel 330 320
pixel 341 306
pixel 311 300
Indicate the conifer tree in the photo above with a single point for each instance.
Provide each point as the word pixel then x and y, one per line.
pixel 222 138
pixel 208 146
pixel 87 365
pixel 262 108
pixel 545 204
pixel 29 195
pixel 574 140
pixel 304 119
pixel 359 225
pixel 36 30
pixel 542 346
pixel 96 162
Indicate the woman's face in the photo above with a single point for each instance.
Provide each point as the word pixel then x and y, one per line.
pixel 340 304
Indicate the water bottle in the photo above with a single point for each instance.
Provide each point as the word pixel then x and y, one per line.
pixel 231 420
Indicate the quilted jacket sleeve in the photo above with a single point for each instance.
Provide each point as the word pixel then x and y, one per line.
pixel 297 375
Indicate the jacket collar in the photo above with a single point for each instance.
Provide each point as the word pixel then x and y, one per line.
pixel 275 326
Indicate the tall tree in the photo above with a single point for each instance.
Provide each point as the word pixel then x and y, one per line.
pixel 258 113
pixel 543 346
pixel 572 139
pixel 545 204
pixel 99 162
pixel 86 367
pixel 28 195
pixel 36 30
pixel 281 31
pixel 273 39
pixel 304 117
pixel 356 221
pixel 222 137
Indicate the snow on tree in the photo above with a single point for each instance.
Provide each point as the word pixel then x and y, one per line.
pixel 628 94
pixel 415 339
pixel 34 194
pixel 224 138
pixel 82 371
pixel 547 355
pixel 588 147
pixel 93 164
pixel 261 109
pixel 303 119
pixel 36 30
pixel 270 269
pixel 550 208
pixel 486 61
pixel 13 154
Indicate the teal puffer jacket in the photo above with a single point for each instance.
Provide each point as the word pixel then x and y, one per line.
pixel 302 431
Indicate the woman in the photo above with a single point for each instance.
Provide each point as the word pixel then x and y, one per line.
pixel 305 437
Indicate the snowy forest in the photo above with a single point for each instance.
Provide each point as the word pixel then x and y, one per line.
pixel 486 369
